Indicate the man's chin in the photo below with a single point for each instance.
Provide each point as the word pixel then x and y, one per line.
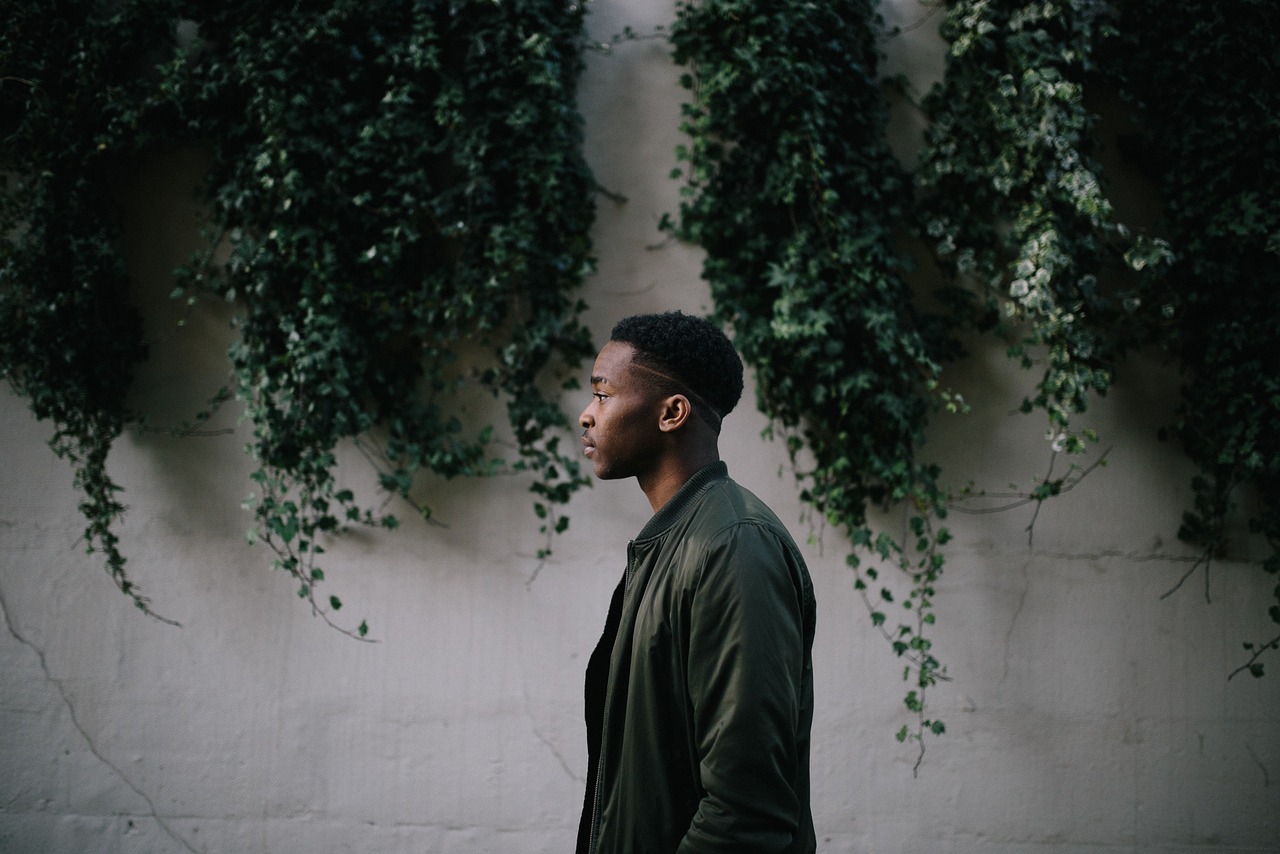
pixel 603 472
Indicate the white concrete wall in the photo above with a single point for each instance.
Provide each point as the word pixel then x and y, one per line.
pixel 1084 715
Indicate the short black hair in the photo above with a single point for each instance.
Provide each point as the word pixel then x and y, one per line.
pixel 692 350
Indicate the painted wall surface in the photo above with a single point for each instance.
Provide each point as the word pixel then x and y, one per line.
pixel 1085 713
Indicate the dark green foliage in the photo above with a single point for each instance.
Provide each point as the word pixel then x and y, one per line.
pixel 70 75
pixel 399 194
pixel 1013 203
pixel 399 182
pixel 399 208
pixel 1206 80
pixel 795 196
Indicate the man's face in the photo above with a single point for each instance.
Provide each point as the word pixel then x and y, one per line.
pixel 620 423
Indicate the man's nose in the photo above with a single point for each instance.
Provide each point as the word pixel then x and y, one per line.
pixel 585 420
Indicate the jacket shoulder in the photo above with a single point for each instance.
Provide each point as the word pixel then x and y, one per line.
pixel 732 519
pixel 728 503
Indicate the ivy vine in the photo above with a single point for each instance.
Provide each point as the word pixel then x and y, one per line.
pixel 790 188
pixel 1205 79
pixel 69 79
pixel 393 184
pixel 397 183
pixel 1015 203
pixel 795 196
pixel 1012 200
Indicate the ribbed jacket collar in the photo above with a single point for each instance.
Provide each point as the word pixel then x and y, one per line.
pixel 683 499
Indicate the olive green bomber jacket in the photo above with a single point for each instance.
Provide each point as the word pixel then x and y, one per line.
pixel 700 694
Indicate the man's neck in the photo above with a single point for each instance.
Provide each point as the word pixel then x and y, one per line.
pixel 661 485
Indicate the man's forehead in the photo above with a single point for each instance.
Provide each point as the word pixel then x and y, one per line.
pixel 613 364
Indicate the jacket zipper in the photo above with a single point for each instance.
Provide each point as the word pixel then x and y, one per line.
pixel 604 724
pixel 631 555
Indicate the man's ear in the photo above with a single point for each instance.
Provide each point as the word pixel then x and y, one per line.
pixel 676 411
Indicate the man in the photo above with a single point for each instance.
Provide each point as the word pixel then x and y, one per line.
pixel 699 696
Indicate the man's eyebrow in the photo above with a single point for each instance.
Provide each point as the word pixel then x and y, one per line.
pixel 599 380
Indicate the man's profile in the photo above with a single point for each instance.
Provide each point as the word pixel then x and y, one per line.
pixel 699 696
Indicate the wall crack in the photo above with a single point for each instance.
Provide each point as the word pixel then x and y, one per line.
pixel 1266 776
pixel 154 813
pixel 555 751
pixel 1013 622
pixel 1129 556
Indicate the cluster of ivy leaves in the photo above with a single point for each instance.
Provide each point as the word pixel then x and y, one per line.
pixel 70 79
pixel 1015 205
pixel 792 192
pixel 795 196
pixel 393 184
pixel 1205 78
pixel 1012 200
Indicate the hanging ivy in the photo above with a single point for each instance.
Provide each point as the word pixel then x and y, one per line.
pixel 792 191
pixel 1015 205
pixel 398 182
pixel 394 184
pixel 1205 80
pixel 71 74
pixel 1013 202
pixel 399 212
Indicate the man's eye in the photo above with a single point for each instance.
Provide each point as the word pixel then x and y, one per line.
pixel 600 396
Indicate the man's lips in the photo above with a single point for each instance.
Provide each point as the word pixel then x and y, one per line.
pixel 587 446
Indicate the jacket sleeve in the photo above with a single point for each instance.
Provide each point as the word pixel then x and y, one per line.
pixel 750 640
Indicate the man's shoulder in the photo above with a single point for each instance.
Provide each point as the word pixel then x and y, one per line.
pixel 734 535
pixel 727 506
